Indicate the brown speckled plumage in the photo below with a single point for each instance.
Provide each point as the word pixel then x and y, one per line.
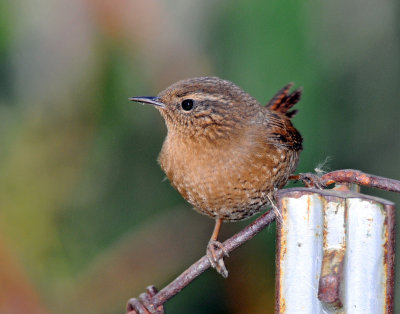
pixel 228 153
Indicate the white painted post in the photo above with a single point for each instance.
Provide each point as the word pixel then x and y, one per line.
pixel 335 252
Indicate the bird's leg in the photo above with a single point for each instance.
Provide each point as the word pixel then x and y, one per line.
pixel 212 251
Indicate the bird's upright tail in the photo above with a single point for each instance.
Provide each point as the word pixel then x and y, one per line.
pixel 282 102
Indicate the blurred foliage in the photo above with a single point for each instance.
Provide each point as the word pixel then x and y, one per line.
pixel 87 219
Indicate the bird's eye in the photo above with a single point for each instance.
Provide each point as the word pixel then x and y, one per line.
pixel 187 104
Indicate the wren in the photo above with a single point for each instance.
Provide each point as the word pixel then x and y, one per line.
pixel 224 152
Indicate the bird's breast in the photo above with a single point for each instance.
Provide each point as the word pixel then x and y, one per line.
pixel 231 182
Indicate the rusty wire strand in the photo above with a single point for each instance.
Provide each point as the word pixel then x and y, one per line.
pixel 203 263
pixel 360 178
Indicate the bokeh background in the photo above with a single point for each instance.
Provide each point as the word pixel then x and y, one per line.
pixel 86 217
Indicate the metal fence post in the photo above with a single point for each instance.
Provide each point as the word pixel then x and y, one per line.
pixel 335 252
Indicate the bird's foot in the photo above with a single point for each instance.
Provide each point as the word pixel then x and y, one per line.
pixel 310 180
pixel 213 251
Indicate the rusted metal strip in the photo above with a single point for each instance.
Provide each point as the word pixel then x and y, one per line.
pixel 335 253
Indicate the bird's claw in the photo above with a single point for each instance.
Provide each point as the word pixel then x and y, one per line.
pixel 312 180
pixel 144 304
pixel 212 252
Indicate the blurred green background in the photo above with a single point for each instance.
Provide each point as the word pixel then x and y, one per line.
pixel 86 219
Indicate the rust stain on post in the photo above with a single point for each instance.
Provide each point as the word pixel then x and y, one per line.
pixel 331 277
pixel 334 248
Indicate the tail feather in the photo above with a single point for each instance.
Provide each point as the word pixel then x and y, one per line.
pixel 282 102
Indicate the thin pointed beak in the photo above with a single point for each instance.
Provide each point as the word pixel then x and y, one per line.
pixel 155 101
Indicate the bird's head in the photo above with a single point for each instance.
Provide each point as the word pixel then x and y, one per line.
pixel 203 106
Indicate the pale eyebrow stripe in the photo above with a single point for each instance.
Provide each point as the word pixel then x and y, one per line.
pixel 201 96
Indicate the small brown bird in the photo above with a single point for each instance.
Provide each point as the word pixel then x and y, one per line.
pixel 224 152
